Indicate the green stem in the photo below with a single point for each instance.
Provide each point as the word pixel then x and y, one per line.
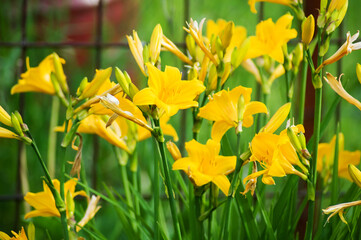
pixel 287 81
pixel 232 190
pixel 303 90
pixel 52 136
pixel 58 199
pixel 210 208
pixel 192 215
pixel 168 181
pixel 198 204
pixel 313 170
pixel 334 185
pixel 156 198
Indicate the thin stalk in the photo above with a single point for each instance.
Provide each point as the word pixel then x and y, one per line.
pixel 125 180
pixel 160 142
pixel 210 208
pixel 134 171
pixel 287 83
pixel 52 188
pixel 301 110
pixel 231 191
pixel 334 184
pixel 52 136
pixel 156 198
pixel 192 216
pixel 313 170
pixel 198 204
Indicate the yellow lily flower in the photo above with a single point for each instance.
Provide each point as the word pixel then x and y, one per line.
pixel 95 124
pixel 355 174
pixel 270 37
pixel 136 48
pixel 20 236
pixel 90 212
pixel 238 36
pixel 338 88
pixel 168 92
pixel 339 208
pixel 170 46
pixel 44 202
pixel 92 88
pixel 231 109
pixel 325 158
pixel 275 152
pixel 195 30
pixel 252 3
pixel 37 79
pixel 204 165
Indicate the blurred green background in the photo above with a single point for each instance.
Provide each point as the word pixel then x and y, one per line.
pixel 57 21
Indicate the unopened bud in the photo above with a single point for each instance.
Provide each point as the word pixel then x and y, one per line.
pixel 239 54
pixel 308 30
pixel 155 43
pixel 146 54
pixel 5 117
pixel 16 124
pixel 297 55
pixel 70 135
pixel 59 72
pixel 355 174
pixel 122 80
pixel 70 205
pixel 294 140
pixel 174 150
pixel 191 45
pixel 226 34
pixel 82 86
pixel 192 74
pixel 219 48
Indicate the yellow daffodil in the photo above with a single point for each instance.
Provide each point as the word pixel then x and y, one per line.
pixel 92 88
pixel 325 158
pixel 204 165
pixel 195 30
pixel 275 152
pixel 344 50
pixel 44 202
pixel 37 79
pixel 136 48
pixel 336 85
pixel 339 208
pixel 90 212
pixel 252 3
pixel 231 109
pixel 235 39
pixel 270 37
pixel 20 236
pixel 168 92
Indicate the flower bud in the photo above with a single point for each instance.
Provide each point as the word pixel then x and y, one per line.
pixel 294 139
pixel 191 45
pixel 297 55
pixel 70 205
pixel 358 72
pixel 219 48
pixel 308 30
pixel 16 124
pixel 174 151
pixel 155 43
pixel 5 117
pixel 355 174
pixel 146 54
pixel 122 80
pixel 239 54
pixel 70 135
pixel 59 72
pixel 226 34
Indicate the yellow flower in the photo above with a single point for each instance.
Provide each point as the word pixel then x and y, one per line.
pixel 325 158
pixel 338 88
pixel 20 236
pixel 358 72
pixel 5 133
pixel 155 43
pixel 308 29
pixel 136 48
pixel 170 46
pixel 92 88
pixel 195 30
pixel 44 202
pixel 37 79
pixel 231 109
pixel 5 117
pixel 344 50
pixel 90 212
pixel 95 124
pixel 252 3
pixel 237 37
pixel 275 152
pixel 270 37
pixel 168 92
pixel 339 208
pixel 204 165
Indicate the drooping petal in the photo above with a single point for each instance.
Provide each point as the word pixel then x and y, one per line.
pixel 223 183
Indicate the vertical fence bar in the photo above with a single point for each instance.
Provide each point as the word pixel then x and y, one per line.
pixel 98 49
pixel 21 158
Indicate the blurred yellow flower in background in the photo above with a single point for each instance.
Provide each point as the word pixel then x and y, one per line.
pixel 37 79
pixel 20 236
pixel 204 165
pixel 325 159
pixel 168 92
pixel 270 37
pixel 252 3
pixel 44 202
